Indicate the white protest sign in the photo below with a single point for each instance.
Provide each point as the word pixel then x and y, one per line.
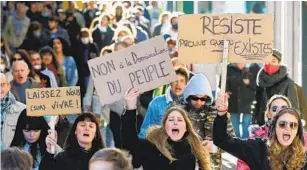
pixel 53 101
pixel 144 66
pixel 201 38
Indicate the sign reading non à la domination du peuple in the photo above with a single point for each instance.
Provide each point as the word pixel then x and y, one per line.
pixel 144 66
pixel 201 37
pixel 53 101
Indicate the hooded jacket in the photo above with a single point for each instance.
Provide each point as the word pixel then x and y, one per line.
pixel 202 119
pixel 102 38
pixel 278 83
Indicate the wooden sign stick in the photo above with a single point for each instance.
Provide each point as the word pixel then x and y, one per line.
pixel 224 66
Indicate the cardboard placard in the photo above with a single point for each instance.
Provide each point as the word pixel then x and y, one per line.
pixel 250 36
pixel 53 101
pixel 144 66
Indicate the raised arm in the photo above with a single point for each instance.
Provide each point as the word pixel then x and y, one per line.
pixel 246 150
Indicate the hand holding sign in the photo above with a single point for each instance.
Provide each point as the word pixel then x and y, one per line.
pixel 51 141
pixel 131 98
pixel 222 103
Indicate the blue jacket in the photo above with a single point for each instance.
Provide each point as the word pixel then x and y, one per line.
pixel 155 112
pixel 70 71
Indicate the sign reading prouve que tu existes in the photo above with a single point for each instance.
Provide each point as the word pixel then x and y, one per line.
pixel 201 38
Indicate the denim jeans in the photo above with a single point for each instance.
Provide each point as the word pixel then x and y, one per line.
pixel 235 120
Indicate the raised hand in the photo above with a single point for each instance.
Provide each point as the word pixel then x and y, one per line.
pixel 51 141
pixel 222 103
pixel 131 98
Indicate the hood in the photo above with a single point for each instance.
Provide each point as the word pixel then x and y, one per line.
pixel 162 14
pixel 198 85
pixel 265 80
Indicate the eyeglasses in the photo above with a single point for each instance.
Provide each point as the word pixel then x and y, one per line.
pixel 203 99
pixel 282 124
pixel 17 59
pixel 274 108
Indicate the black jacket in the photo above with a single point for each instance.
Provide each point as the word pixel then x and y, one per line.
pixel 278 83
pixel 242 95
pixel 102 39
pixel 63 128
pixel 89 15
pixel 66 161
pixel 146 154
pixel 82 54
pixel 252 151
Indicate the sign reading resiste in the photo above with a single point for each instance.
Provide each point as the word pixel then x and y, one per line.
pixel 144 66
pixel 201 38
pixel 53 101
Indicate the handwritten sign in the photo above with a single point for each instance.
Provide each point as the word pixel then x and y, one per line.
pixel 201 38
pixel 144 66
pixel 53 101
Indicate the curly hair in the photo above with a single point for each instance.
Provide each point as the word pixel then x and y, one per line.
pixel 158 136
pixel 293 157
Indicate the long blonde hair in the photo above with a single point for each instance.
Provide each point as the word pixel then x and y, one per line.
pixel 158 136
pixel 293 157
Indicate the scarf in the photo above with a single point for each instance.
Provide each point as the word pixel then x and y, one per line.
pixel 6 104
pixel 176 99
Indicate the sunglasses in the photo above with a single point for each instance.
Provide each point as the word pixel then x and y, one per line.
pixel 203 99
pixel 282 124
pixel 17 59
pixel 274 108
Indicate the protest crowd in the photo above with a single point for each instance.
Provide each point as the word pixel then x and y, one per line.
pixel 183 125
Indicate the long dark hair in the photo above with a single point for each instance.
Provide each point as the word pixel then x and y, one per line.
pixel 71 144
pixel 49 50
pixel 65 46
pixel 31 123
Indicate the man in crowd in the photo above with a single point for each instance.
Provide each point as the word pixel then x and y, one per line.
pixel 21 81
pixel 56 31
pixel 157 106
pixel 10 111
pixel 46 76
pixel 16 27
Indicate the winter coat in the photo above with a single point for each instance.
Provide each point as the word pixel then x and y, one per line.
pixel 89 15
pixel 10 32
pixel 278 83
pixel 202 119
pixel 252 151
pixel 102 39
pixel 83 53
pixel 241 94
pixel 155 112
pixel 32 43
pixel 34 84
pixel 66 161
pixel 9 125
pixel 63 128
pixel 146 154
